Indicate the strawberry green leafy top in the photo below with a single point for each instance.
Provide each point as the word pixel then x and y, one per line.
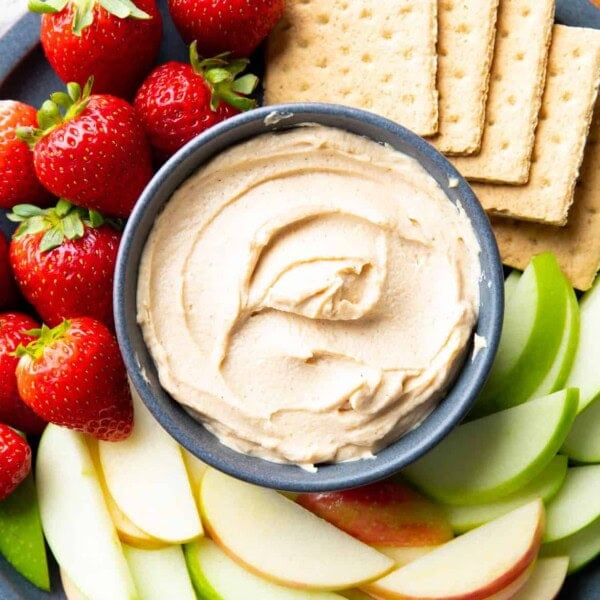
pixel 65 221
pixel 83 13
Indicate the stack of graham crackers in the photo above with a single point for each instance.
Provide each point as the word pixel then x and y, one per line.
pixel 493 84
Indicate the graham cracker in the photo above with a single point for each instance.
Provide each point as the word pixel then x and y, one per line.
pixel 515 93
pixel 571 90
pixel 577 244
pixel 378 56
pixel 466 34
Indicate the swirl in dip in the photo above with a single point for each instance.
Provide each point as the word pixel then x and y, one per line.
pixel 309 295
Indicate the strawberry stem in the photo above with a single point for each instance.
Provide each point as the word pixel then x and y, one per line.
pixel 46 336
pixel 220 74
pixel 61 107
pixel 83 13
pixel 64 221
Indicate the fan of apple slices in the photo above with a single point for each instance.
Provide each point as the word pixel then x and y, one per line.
pixel 145 519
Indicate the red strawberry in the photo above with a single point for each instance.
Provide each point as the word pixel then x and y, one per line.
pixel 177 101
pixel 18 181
pixel 8 289
pixel 116 42
pixel 63 259
pixel 236 26
pixel 13 411
pixel 15 460
pixel 73 376
pixel 94 152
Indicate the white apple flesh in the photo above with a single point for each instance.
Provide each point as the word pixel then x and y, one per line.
pixel 218 577
pixel 402 555
pixel 546 580
pixel 277 539
pixel 70 590
pixel 128 532
pixel 195 469
pixel 160 574
pixel 513 588
pixel 473 566
pixel 75 519
pixel 147 478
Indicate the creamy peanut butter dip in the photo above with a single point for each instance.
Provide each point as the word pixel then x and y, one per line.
pixel 309 295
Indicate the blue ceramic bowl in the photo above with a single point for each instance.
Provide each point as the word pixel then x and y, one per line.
pixel 190 433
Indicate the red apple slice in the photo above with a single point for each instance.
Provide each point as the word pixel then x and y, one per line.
pixel 476 565
pixel 276 538
pixel 385 513
pixel 513 588
pixel 546 579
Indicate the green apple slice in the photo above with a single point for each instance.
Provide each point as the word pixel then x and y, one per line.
pixel 218 577
pixel 487 459
pixel 544 486
pixel 583 442
pixel 563 361
pixel 545 581
pixel 75 519
pixel 581 547
pixel 534 322
pixel 510 284
pixel 160 574
pixel 21 537
pixel 478 564
pixel 585 373
pixel 281 541
pixel 147 478
pixel 576 505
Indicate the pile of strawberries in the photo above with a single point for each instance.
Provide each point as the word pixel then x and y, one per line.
pixel 72 171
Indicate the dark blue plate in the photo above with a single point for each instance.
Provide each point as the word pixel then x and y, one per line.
pixel 25 75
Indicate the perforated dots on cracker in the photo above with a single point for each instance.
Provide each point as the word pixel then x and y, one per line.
pixel 378 56
pixel 466 34
pixel 517 82
pixel 577 245
pixel 571 90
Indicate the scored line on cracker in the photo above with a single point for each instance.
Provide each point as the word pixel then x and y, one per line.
pixel 565 116
pixel 466 34
pixel 378 56
pixel 515 91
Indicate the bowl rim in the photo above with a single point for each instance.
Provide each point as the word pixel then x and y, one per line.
pixel 190 433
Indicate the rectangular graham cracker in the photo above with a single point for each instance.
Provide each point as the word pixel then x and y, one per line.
pixel 466 34
pixel 577 244
pixel 517 81
pixel 571 90
pixel 378 56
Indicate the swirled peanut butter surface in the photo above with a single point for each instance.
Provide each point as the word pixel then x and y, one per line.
pixel 309 295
